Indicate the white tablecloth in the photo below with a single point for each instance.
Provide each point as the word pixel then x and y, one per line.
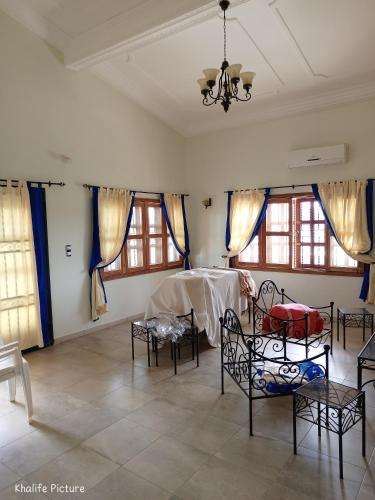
pixel 208 291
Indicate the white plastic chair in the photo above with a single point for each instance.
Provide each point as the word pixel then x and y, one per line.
pixel 12 364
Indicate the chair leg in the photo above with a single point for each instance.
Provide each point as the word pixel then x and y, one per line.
pixel 12 389
pixel 222 369
pixel 156 351
pixel 175 357
pixel 294 425
pixel 364 328
pixel 363 424
pixel 193 344
pixel 148 349
pixel 319 422
pixel 251 416
pixel 132 342
pixel 27 389
pixel 197 343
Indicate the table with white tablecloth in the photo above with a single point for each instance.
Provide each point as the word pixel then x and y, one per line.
pixel 209 291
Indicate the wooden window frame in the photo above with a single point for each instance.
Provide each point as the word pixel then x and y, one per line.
pixel 145 236
pixel 294 265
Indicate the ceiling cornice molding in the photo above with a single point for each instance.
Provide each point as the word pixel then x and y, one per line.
pixel 308 104
pixel 164 30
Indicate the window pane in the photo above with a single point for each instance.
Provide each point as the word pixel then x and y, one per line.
pixel 319 256
pixel 115 266
pixel 135 253
pixel 156 251
pixel 339 257
pixel 173 255
pixel 319 233
pixel 305 233
pixel 305 256
pixel 136 223
pixel 277 249
pixel 251 253
pixel 306 210
pixel 154 220
pixel 278 217
pixel 318 213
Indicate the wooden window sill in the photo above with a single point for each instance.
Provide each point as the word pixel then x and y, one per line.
pixel 110 276
pixel 319 272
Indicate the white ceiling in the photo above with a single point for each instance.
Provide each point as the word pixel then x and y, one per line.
pixel 308 54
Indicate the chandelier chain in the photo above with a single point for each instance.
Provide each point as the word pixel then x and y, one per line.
pixel 225 37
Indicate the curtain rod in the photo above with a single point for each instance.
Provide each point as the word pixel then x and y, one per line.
pixel 292 186
pixel 46 183
pixel 271 187
pixel 89 186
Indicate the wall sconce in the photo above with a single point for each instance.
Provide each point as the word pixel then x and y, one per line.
pixel 207 202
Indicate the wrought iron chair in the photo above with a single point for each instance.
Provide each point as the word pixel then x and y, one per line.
pixel 268 296
pixel 247 357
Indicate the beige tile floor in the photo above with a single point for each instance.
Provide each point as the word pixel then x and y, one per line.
pixel 125 431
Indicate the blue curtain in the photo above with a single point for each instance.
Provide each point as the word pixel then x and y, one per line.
pixel 96 256
pixel 370 211
pixel 370 224
pixel 184 255
pixel 261 217
pixel 39 223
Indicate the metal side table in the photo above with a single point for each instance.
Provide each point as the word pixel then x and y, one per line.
pixel 335 407
pixel 356 317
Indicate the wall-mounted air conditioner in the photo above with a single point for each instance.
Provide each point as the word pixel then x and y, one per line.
pixel 328 155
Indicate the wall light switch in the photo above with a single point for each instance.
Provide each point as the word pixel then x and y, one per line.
pixel 68 250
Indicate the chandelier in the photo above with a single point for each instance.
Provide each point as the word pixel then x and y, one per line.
pixel 227 90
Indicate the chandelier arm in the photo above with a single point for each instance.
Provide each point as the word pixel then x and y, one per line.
pixel 212 96
pixel 247 98
pixel 206 103
pixel 214 100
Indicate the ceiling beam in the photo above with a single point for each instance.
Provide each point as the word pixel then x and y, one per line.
pixel 110 38
pixel 150 20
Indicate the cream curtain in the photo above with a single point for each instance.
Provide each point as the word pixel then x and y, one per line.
pixel 245 209
pixel 345 206
pixel 113 213
pixel 173 204
pixel 19 297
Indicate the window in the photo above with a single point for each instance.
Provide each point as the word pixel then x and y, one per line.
pixel 149 247
pixel 295 238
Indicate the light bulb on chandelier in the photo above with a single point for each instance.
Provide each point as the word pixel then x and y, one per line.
pixel 227 90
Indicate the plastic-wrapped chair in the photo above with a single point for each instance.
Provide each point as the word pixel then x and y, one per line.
pixel 12 363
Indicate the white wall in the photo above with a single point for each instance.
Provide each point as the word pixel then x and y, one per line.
pixel 256 156
pixel 46 109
